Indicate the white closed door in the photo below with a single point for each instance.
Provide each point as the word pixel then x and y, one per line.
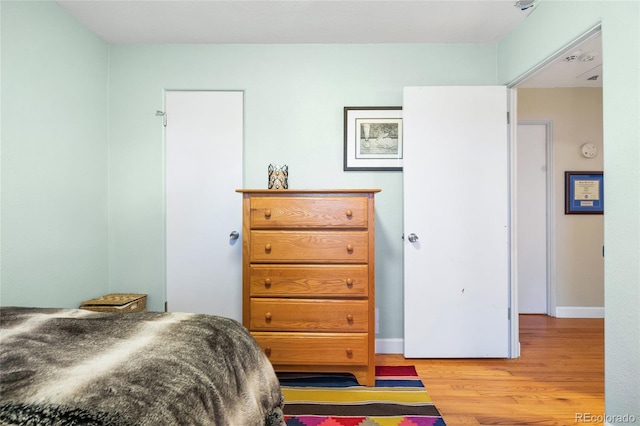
pixel 456 222
pixel 204 138
pixel 531 188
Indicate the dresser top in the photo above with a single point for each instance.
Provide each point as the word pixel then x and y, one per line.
pixel 307 191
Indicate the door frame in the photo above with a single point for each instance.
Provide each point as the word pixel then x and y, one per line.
pixel 512 103
pixel 514 319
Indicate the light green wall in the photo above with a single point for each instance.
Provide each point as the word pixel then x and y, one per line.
pixel 294 100
pixel 54 157
pixel 551 26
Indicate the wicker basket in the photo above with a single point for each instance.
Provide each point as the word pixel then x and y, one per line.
pixel 117 302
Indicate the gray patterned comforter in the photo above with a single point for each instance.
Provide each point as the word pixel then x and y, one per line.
pixel 76 367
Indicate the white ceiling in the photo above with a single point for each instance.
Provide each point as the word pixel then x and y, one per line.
pixel 306 21
pixel 297 21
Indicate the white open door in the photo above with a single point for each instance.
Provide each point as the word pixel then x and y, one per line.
pixel 204 138
pixel 456 222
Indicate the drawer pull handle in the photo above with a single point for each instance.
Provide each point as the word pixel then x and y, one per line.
pixel 267 213
pixel 267 316
pixel 267 282
pixel 349 213
pixel 349 248
pixel 349 282
pixel 267 351
pixel 350 318
pixel 349 352
pixel 267 248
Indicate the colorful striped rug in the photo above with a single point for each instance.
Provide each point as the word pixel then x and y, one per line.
pixel 398 399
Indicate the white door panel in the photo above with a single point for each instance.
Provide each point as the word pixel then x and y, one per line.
pixel 456 201
pixel 532 218
pixel 204 138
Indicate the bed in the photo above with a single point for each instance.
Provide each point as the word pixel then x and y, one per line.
pixel 73 367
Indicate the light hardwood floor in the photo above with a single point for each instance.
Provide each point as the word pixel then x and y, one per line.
pixel 558 379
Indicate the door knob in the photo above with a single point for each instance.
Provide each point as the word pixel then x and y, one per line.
pixel 412 237
pixel 234 235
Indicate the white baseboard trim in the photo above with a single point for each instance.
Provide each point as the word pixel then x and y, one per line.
pixel 396 345
pixel 579 312
pixel 390 346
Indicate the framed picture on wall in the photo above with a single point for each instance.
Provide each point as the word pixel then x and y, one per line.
pixel 372 138
pixel 583 193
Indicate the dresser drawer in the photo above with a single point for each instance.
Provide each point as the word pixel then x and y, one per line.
pixel 309 280
pixel 313 315
pixel 309 246
pixel 316 349
pixel 308 212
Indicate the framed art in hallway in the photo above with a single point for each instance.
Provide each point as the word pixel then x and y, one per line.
pixel 373 138
pixel 583 193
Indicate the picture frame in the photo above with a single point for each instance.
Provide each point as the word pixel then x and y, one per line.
pixel 583 193
pixel 373 138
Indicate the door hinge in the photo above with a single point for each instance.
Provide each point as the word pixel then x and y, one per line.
pixel 166 308
pixel 509 314
pixel 162 114
pixel 508 117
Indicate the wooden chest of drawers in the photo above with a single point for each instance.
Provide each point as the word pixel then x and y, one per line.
pixel 308 279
